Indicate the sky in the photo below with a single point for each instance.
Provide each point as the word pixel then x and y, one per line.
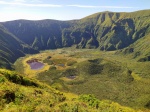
pixel 65 9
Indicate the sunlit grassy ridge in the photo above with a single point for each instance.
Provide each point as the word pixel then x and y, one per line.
pixel 18 93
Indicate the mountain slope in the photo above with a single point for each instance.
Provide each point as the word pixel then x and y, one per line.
pixel 105 30
pixel 140 50
pixel 38 34
pixel 11 48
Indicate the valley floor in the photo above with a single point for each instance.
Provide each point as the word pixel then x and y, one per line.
pixel 107 75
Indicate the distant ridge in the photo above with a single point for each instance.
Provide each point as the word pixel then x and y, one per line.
pixel 105 31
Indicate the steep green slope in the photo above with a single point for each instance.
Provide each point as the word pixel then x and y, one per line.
pixel 11 48
pixel 44 34
pixel 105 30
pixel 140 50
pixel 117 30
pixel 20 94
pixel 8 48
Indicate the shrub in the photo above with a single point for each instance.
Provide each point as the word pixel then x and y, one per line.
pixel 2 79
pixel 70 72
pixel 90 99
pixel 90 68
pixel 15 78
pixel 9 96
pixel 49 62
pixel 70 63
pixel 52 68
pixel 49 57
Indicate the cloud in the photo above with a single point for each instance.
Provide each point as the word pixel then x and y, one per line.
pixel 82 6
pixel 38 3
pixel 21 3
pixel 90 6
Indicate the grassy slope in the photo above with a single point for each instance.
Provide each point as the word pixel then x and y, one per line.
pixel 140 49
pixel 18 93
pixel 118 29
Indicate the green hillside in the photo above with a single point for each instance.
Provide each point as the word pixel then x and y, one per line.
pixel 11 48
pixel 140 50
pixel 105 31
pixel 28 95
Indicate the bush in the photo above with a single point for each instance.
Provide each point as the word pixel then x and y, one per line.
pixel 49 62
pixel 2 79
pixel 144 59
pixel 90 68
pixel 70 63
pixel 52 68
pixel 9 96
pixel 70 72
pixel 49 57
pixel 15 78
pixel 90 99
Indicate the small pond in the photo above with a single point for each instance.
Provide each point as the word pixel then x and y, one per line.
pixel 62 65
pixel 36 65
pixel 71 77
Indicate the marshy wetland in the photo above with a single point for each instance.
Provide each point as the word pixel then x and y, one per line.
pixel 107 75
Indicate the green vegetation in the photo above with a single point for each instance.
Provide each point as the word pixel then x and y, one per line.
pixel 71 62
pixel 112 77
pixel 11 48
pixel 118 73
pixel 48 61
pixel 16 97
pixel 13 77
pixel 106 31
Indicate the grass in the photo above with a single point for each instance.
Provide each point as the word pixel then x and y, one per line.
pixel 15 97
pixel 136 76
pixel 104 74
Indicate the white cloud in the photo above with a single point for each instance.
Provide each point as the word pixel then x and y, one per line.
pixel 90 6
pixel 82 6
pixel 20 3
pixel 37 1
